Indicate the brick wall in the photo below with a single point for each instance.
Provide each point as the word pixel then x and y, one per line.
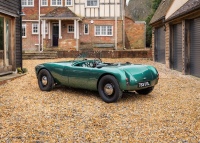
pixel 90 39
pixel 31 40
pixel 167 45
pixel 108 54
pixel 67 44
pixel 153 43
pixel 135 34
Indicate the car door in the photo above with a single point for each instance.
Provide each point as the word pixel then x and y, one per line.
pixel 81 77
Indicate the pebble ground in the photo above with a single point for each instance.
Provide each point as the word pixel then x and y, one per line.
pixel 171 113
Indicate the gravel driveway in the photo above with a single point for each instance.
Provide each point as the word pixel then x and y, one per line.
pixel 171 113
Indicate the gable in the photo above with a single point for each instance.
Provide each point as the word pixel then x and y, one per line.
pixel 161 11
pixel 175 6
pixel 188 7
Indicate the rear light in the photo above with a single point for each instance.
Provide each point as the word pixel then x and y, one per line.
pixel 127 81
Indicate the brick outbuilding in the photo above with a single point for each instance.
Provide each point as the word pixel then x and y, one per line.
pixel 176 31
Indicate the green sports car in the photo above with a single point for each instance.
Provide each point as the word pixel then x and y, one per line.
pixel 109 79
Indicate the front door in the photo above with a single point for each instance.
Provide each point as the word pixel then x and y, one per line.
pixel 55 34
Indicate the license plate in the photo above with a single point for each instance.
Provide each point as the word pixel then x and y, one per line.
pixel 144 84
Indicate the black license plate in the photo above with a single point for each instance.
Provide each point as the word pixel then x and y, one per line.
pixel 144 84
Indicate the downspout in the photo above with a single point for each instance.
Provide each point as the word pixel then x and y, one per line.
pixel 20 37
pixel 145 30
pixel 77 35
pixel 39 38
pixel 115 25
pixel 123 19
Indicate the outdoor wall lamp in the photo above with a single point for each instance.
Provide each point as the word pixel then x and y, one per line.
pixel 21 13
pixel 163 21
pixel 153 31
pixel 164 27
pixel 64 26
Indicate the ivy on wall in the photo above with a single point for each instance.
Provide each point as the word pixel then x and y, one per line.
pixel 155 5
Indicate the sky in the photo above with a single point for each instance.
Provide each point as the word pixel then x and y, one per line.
pixel 127 1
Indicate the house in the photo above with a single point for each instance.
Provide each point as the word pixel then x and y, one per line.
pixel 74 24
pixel 175 35
pixel 10 36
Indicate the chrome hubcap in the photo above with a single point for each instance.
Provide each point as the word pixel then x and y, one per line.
pixel 108 89
pixel 44 80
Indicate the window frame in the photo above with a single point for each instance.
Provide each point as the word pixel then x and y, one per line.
pixel 101 30
pixel 27 4
pixel 68 26
pixel 88 29
pixel 33 28
pixel 46 3
pixel 67 4
pixel 57 3
pixel 86 3
pixel 24 26
pixel 46 28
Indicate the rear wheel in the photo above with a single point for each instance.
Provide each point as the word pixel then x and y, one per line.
pixel 109 89
pixel 145 91
pixel 45 80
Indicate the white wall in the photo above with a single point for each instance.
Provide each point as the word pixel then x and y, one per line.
pixel 174 7
pixel 106 8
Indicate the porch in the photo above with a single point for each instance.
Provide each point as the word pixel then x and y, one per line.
pixel 60 30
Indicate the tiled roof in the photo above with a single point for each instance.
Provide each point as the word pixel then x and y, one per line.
pixel 188 7
pixel 161 11
pixel 60 13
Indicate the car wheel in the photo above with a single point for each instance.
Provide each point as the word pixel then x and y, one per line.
pixel 109 89
pixel 45 80
pixel 145 91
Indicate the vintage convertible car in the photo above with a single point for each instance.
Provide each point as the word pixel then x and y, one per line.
pixel 109 79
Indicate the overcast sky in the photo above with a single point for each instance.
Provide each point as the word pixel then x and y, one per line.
pixel 127 1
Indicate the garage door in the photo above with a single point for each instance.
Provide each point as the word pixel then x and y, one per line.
pixel 160 45
pixel 195 48
pixel 177 47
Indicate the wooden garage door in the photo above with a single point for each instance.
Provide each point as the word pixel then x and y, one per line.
pixel 195 48
pixel 160 45
pixel 177 47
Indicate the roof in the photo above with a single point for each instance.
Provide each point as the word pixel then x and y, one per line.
pixel 161 11
pixel 188 7
pixel 60 13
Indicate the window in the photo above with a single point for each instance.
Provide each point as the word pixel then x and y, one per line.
pixel 103 30
pixel 86 29
pixel 35 28
pixel 23 30
pixel 44 2
pixel 56 2
pixel 46 28
pixel 1 36
pixel 92 3
pixel 68 2
pixel 27 2
pixel 70 28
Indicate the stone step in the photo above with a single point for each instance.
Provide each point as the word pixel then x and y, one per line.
pixel 40 55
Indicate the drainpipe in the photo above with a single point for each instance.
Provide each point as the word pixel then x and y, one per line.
pixel 77 34
pixel 39 24
pixel 123 19
pixel 21 61
pixel 115 25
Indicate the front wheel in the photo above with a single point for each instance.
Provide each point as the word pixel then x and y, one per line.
pixel 145 91
pixel 109 89
pixel 45 80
